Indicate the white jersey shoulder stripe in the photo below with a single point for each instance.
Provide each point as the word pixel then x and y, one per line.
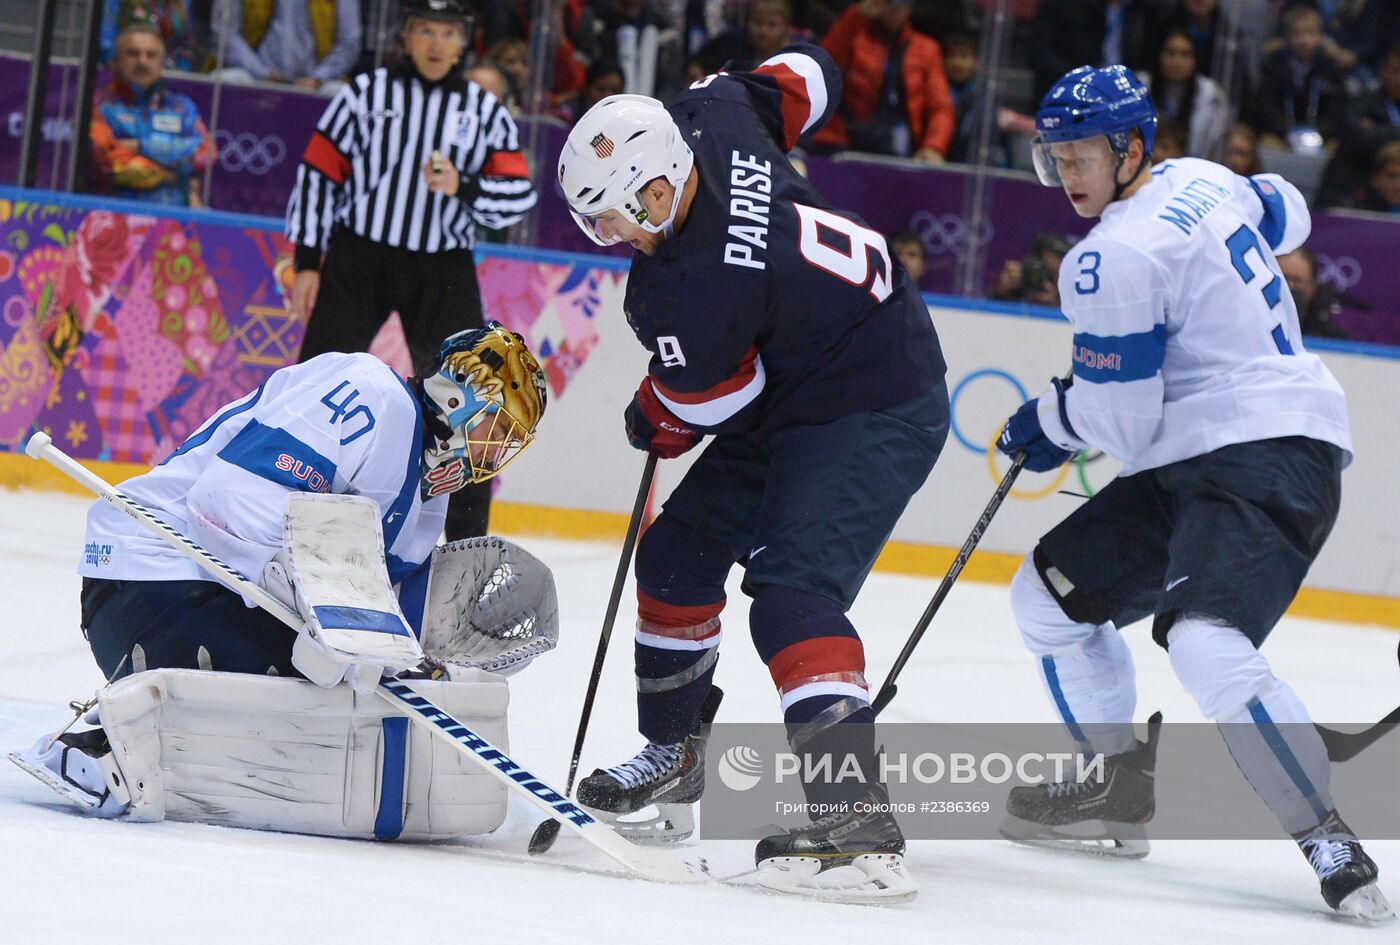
pixel 810 72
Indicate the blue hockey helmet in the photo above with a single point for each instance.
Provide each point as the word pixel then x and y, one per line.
pixel 481 404
pixel 1088 102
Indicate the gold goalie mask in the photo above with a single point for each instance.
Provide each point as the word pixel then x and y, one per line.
pixel 481 406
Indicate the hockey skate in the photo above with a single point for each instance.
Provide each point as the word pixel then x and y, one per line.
pixel 77 766
pixel 1348 876
pixel 652 797
pixel 1101 817
pixel 855 856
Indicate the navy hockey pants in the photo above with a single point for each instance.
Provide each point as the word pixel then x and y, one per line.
pixel 181 625
pixel 806 511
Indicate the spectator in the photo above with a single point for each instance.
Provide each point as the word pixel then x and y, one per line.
pixel 1242 151
pixel 1034 278
pixel 307 43
pixel 1357 31
pixel 1228 39
pixel 1187 98
pixel 909 247
pixel 1317 304
pixel 510 19
pixel 1372 120
pixel 767 28
pixel 701 65
pixel 960 65
pixel 636 37
pixel 1171 141
pixel 1300 89
pixel 147 142
pixel 493 79
pixel 604 79
pixel 512 56
pixel 1383 194
pixel 896 99
pixel 170 17
pixel 1066 34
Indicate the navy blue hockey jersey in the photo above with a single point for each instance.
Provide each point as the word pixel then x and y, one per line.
pixel 771 309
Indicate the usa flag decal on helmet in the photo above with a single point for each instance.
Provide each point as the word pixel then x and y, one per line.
pixel 602 145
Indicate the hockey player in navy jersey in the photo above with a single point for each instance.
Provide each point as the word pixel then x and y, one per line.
pixel 787 330
pixel 1189 368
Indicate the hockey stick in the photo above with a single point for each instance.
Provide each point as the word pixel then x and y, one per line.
pixel 1344 746
pixel 648 864
pixel 545 834
pixel 888 688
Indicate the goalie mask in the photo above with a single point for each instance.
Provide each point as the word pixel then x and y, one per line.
pixel 481 407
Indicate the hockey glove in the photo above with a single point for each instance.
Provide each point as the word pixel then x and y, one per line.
pixel 652 427
pixel 1025 433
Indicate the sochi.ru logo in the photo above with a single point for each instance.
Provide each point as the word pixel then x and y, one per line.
pixel 740 768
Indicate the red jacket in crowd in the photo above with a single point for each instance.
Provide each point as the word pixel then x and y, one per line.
pixel 861 50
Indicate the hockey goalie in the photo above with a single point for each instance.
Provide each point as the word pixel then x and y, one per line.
pixel 330 484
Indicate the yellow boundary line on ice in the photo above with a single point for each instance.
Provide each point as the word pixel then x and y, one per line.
pixel 513 518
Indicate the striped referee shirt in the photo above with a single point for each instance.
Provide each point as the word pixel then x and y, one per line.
pixel 363 168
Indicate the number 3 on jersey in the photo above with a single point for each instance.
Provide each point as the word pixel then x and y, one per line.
pixel 853 264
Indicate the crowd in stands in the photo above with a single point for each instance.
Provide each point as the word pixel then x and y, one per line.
pixel 1252 83
pixel 1316 78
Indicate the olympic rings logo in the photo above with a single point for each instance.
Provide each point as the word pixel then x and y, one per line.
pixel 1340 272
pixel 1080 463
pixel 245 151
pixel 949 233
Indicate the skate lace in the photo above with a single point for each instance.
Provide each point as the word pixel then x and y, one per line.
pixel 1328 856
pixel 1067 788
pixel 651 762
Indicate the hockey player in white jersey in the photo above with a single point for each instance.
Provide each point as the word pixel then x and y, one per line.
pixel 1189 368
pixel 341 426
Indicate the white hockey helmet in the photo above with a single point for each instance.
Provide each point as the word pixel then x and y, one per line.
pixel 618 147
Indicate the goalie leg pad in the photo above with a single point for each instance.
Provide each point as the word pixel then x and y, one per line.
pixel 283 754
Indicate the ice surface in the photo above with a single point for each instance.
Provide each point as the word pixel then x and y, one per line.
pixel 64 877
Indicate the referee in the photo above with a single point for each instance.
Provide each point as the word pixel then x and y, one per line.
pixel 403 165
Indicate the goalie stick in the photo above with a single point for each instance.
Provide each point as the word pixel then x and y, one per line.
pixel 655 865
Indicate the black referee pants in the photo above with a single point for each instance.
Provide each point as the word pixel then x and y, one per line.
pixel 435 294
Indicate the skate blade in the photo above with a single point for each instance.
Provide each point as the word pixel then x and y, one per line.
pixel 1367 904
pixel 60 786
pixel 1095 837
pixel 872 879
pixel 653 825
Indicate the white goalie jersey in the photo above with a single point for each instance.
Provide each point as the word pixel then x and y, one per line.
pixel 340 423
pixel 1186 338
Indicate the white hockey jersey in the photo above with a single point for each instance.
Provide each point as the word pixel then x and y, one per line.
pixel 340 423
pixel 1186 338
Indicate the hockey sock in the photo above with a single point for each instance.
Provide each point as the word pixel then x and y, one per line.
pixel 1087 670
pixel 680 593
pixel 818 664
pixel 1264 723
